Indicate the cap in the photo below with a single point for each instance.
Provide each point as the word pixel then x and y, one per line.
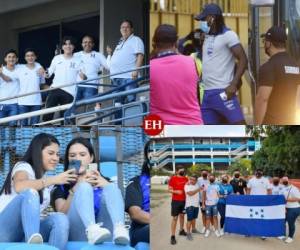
pixel 209 9
pixel 275 34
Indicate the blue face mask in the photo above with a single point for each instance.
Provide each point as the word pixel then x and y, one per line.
pixel 204 27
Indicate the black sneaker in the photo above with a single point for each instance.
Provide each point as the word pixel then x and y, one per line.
pixel 173 240
pixel 182 232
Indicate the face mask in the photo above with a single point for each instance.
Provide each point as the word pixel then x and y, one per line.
pixel 285 183
pixel 181 173
pixel 237 176
pixel 212 180
pixel 204 27
pixel 259 174
pixel 275 183
pixel 204 175
pixel 224 180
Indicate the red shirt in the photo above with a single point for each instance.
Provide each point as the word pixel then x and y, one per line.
pixel 177 183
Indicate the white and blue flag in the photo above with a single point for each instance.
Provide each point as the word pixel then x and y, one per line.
pixel 255 215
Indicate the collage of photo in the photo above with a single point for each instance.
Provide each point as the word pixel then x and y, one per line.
pixel 149 124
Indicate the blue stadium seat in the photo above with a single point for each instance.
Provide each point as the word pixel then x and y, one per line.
pixel 25 246
pixel 77 245
pixel 142 246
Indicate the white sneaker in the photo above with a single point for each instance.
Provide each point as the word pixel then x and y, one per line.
pixel 203 230
pixel 207 233
pixel 97 234
pixel 217 233
pixel 221 232
pixel 121 235
pixel 288 240
pixel 35 239
pixel 281 237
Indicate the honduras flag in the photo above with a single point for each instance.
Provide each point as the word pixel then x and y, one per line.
pixel 255 215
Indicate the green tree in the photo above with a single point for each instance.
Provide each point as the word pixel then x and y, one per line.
pixel 243 165
pixel 196 169
pixel 280 152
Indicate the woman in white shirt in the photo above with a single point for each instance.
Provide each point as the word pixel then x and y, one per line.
pixel 26 194
pixel 292 196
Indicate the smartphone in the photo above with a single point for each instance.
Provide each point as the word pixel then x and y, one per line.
pixel 75 164
pixel 223 96
pixel 92 167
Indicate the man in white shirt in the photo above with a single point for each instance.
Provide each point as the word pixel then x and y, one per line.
pixel 93 62
pixel 66 69
pixel 9 86
pixel 259 185
pixel 128 55
pixel 192 205
pixel 30 78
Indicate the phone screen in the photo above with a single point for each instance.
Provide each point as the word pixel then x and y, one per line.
pixel 75 164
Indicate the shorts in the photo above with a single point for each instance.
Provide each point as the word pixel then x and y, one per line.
pixel 177 207
pixel 192 213
pixel 211 211
pixel 216 111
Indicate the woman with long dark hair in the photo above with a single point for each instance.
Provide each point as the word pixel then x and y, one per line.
pixel 26 194
pixel 91 199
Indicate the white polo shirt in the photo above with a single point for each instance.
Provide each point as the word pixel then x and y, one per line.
pixel 93 62
pixel 30 81
pixel 66 71
pixel 12 88
pixel 125 55
pixel 259 186
pixel 5 199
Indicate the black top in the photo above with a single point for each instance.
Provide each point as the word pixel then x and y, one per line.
pixel 134 197
pixel 59 192
pixel 238 185
pixel 282 73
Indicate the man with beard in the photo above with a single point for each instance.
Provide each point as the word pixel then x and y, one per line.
pixel 279 79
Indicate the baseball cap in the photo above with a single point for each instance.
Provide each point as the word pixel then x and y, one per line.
pixel 275 34
pixel 209 9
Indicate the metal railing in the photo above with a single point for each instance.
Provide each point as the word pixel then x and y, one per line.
pixel 109 95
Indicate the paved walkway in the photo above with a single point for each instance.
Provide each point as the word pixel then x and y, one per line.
pixel 160 232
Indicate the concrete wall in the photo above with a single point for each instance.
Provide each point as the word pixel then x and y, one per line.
pixel 41 15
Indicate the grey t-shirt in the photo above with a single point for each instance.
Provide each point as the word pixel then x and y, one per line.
pixel 218 60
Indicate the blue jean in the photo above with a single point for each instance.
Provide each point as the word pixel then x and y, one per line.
pixel 85 93
pixel 7 110
pixel 291 217
pixel 55 230
pixel 81 213
pixel 211 211
pixel 121 81
pixel 21 218
pixel 29 108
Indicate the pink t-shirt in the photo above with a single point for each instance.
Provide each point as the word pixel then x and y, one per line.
pixel 173 90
